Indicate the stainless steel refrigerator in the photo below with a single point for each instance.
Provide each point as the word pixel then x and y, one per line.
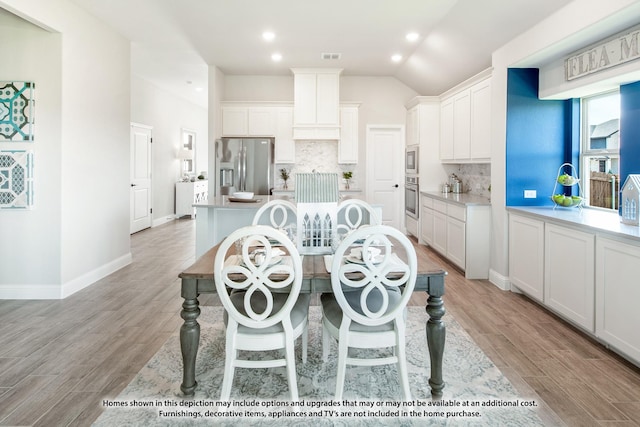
pixel 244 164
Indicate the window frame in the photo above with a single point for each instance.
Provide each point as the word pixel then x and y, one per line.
pixel 587 153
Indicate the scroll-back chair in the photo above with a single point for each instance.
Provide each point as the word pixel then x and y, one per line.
pixel 367 308
pixel 260 291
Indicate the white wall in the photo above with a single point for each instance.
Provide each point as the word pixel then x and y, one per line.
pixel 92 111
pixel 26 257
pixel 168 114
pixel 566 29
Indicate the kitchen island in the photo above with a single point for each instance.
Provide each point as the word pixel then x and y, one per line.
pixel 217 217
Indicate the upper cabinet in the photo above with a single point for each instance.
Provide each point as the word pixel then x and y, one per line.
pixel 247 120
pixel 316 111
pixel 285 149
pixel 348 144
pixel 465 122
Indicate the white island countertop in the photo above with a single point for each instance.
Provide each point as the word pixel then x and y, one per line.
pixel 224 202
pixel 596 220
pixel 465 199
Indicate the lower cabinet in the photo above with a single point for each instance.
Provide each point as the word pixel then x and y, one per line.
pixel 526 255
pixel 569 274
pixel 585 276
pixel 617 295
pixel 459 232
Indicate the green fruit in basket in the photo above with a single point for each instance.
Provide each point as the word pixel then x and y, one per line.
pixel 567 201
pixel 558 198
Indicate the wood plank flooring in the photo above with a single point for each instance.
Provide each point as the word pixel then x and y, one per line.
pixel 59 359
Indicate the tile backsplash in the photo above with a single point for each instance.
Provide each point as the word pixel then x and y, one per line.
pixel 476 177
pixel 319 156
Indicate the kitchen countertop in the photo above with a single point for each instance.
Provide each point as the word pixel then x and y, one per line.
pixel 595 220
pixel 223 202
pixel 464 199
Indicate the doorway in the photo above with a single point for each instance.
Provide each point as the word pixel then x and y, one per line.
pixel 385 183
pixel 140 193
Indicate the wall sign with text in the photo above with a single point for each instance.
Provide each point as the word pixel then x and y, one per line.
pixel 617 50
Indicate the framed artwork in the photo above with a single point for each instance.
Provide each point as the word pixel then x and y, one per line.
pixel 17 103
pixel 16 179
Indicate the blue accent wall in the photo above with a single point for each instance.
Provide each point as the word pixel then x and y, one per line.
pixel 629 130
pixel 541 136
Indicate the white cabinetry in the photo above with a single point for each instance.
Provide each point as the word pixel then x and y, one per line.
pixel 316 113
pixel 456 235
pixel 348 144
pixel 248 120
pixel 480 144
pixel 618 294
pixel 526 255
pixel 285 149
pixel 459 232
pixel 426 220
pixel 465 118
pixel 423 129
pixel 462 125
pixel 188 193
pixel 569 275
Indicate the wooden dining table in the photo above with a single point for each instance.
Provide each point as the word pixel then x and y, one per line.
pixel 198 279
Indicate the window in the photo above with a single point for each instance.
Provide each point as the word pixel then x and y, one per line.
pixel 599 156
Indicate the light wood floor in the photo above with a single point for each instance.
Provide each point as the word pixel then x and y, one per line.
pixel 59 359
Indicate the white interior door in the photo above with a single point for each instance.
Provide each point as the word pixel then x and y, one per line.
pixel 140 196
pixel 385 185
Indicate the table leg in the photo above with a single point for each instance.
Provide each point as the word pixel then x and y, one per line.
pixel 189 336
pixel 436 333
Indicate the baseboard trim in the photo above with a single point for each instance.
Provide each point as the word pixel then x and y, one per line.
pixel 56 291
pixel 502 282
pixel 163 220
pixel 93 276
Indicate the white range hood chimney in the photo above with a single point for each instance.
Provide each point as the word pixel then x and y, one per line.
pixel 316 107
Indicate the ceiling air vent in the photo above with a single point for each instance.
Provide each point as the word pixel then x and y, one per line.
pixel 330 55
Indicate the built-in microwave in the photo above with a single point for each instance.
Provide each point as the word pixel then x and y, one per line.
pixel 411 160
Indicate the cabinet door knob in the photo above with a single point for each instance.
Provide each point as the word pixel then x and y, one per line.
pixel 133 185
pixel 396 186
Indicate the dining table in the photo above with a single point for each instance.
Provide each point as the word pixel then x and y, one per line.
pixel 199 279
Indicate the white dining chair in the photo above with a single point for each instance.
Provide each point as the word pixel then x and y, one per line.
pixel 352 213
pixel 367 308
pixel 259 287
pixel 278 213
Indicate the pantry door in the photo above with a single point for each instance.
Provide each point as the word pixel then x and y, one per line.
pixel 385 174
pixel 140 193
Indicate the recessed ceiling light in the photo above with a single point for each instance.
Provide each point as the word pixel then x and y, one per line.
pixel 268 36
pixel 413 37
pixel 276 57
pixel 396 58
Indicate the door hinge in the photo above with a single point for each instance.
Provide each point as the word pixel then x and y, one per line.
pixel 151 140
pixel 151 210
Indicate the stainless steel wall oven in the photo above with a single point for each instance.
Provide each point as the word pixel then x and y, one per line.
pixel 411 196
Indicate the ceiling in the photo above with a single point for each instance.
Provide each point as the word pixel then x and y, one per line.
pixel 174 42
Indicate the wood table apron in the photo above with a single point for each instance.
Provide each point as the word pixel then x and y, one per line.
pixel 198 279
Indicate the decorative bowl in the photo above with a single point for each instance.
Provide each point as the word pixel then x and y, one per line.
pixel 243 195
pixel 566 201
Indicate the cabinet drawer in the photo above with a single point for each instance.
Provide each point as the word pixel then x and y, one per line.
pixel 427 202
pixel 440 206
pixel 457 212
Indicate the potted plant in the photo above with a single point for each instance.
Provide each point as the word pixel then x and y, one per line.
pixel 284 174
pixel 347 177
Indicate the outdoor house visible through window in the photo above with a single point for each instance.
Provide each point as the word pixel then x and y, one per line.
pixel 600 158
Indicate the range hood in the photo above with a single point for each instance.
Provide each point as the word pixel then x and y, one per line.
pixel 316 106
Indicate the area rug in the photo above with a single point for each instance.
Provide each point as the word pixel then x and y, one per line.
pixel 476 392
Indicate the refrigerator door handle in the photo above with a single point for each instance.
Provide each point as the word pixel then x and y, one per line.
pixel 243 168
